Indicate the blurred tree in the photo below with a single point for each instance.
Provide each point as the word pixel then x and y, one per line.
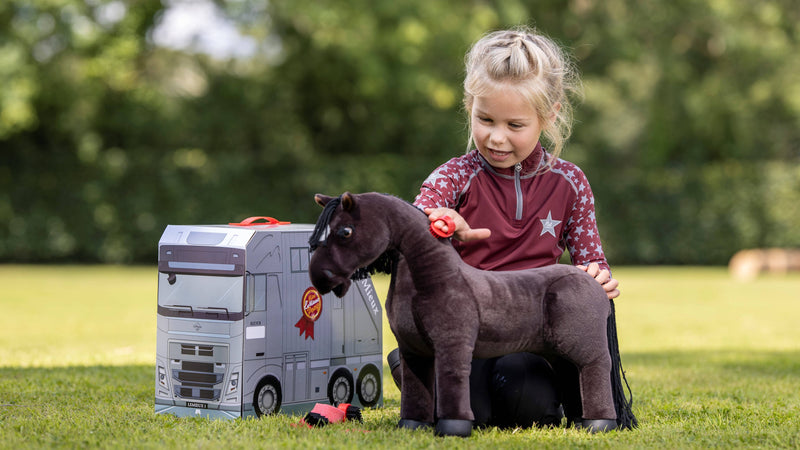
pixel 689 105
pixel 689 131
pixel 84 104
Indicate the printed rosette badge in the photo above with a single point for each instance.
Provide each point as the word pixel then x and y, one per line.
pixel 311 304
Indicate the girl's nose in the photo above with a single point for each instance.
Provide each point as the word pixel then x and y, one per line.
pixel 497 137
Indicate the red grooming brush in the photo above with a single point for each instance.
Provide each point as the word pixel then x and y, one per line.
pixel 439 233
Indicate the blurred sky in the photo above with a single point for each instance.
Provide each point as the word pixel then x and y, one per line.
pixel 200 26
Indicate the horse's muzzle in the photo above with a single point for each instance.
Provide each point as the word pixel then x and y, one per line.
pixel 326 281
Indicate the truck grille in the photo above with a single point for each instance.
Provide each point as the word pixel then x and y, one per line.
pixel 197 393
pixel 196 379
pixel 197 350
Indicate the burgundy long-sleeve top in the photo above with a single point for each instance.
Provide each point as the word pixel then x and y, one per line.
pixel 533 216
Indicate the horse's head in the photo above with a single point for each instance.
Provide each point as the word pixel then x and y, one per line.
pixel 349 236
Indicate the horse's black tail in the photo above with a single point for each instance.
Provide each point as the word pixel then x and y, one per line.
pixel 623 405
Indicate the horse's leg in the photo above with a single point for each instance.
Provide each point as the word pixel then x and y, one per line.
pixel 594 367
pixel 416 392
pixel 569 387
pixel 593 407
pixel 450 324
pixel 577 312
pixel 597 399
pixel 453 364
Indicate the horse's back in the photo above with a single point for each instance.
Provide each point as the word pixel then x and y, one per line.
pixel 520 309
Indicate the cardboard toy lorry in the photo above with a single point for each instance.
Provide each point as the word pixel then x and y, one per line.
pixel 242 332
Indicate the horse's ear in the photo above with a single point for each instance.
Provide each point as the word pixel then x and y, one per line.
pixel 322 199
pixel 348 201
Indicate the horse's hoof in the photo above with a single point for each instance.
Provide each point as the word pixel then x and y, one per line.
pixel 454 427
pixel 410 424
pixel 597 425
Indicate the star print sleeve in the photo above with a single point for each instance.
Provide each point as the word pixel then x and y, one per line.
pixel 582 237
pixel 442 187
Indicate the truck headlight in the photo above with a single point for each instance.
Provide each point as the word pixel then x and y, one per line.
pixel 233 384
pixel 162 377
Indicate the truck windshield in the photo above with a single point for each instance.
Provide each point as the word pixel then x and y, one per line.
pixel 201 295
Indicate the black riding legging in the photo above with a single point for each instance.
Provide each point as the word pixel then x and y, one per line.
pixel 520 389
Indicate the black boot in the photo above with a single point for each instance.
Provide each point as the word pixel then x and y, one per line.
pixel 393 358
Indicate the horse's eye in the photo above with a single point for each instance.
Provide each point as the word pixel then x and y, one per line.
pixel 345 232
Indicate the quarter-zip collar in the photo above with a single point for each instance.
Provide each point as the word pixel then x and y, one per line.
pixel 518 189
pixel 524 169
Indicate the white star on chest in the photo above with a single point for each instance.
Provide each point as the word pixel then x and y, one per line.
pixel 549 225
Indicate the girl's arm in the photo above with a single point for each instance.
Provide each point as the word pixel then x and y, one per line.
pixel 583 239
pixel 439 195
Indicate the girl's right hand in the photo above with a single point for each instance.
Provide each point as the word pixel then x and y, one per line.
pixel 463 232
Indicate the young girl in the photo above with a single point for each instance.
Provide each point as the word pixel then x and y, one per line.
pixel 516 205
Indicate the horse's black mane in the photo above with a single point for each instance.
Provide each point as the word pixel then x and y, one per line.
pixel 322 224
pixel 383 264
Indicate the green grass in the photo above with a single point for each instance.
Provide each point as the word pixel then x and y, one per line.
pixel 712 363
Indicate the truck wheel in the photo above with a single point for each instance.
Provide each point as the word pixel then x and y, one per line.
pixel 267 399
pixel 369 386
pixel 340 388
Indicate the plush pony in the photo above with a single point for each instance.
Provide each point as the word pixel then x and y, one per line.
pixel 444 312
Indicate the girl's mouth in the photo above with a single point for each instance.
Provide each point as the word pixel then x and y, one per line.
pixel 498 154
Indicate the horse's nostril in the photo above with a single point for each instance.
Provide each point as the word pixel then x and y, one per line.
pixel 328 273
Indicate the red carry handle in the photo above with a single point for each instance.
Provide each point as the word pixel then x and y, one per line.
pixel 254 221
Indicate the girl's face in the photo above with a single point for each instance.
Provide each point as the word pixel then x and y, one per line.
pixel 505 127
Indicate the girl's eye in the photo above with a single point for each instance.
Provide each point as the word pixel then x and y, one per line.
pixel 515 125
pixel 485 119
pixel 345 232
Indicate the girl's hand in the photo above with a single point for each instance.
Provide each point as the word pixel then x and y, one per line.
pixel 463 232
pixel 604 278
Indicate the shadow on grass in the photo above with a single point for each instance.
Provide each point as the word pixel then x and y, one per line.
pixel 716 389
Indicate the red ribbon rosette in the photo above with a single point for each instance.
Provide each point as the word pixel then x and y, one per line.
pixel 311 304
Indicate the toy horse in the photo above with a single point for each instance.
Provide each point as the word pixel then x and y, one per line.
pixel 444 312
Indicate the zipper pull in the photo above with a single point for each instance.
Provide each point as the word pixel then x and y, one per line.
pixel 518 167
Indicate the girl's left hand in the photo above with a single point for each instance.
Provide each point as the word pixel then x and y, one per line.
pixel 610 285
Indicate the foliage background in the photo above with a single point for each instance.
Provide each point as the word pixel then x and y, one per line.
pixel 689 129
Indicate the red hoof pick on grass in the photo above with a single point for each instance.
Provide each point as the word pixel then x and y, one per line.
pixel 323 414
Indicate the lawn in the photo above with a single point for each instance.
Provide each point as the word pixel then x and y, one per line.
pixel 712 363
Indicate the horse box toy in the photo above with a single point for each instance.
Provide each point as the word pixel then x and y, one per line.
pixel 242 332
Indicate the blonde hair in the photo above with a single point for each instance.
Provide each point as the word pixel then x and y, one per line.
pixel 534 66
